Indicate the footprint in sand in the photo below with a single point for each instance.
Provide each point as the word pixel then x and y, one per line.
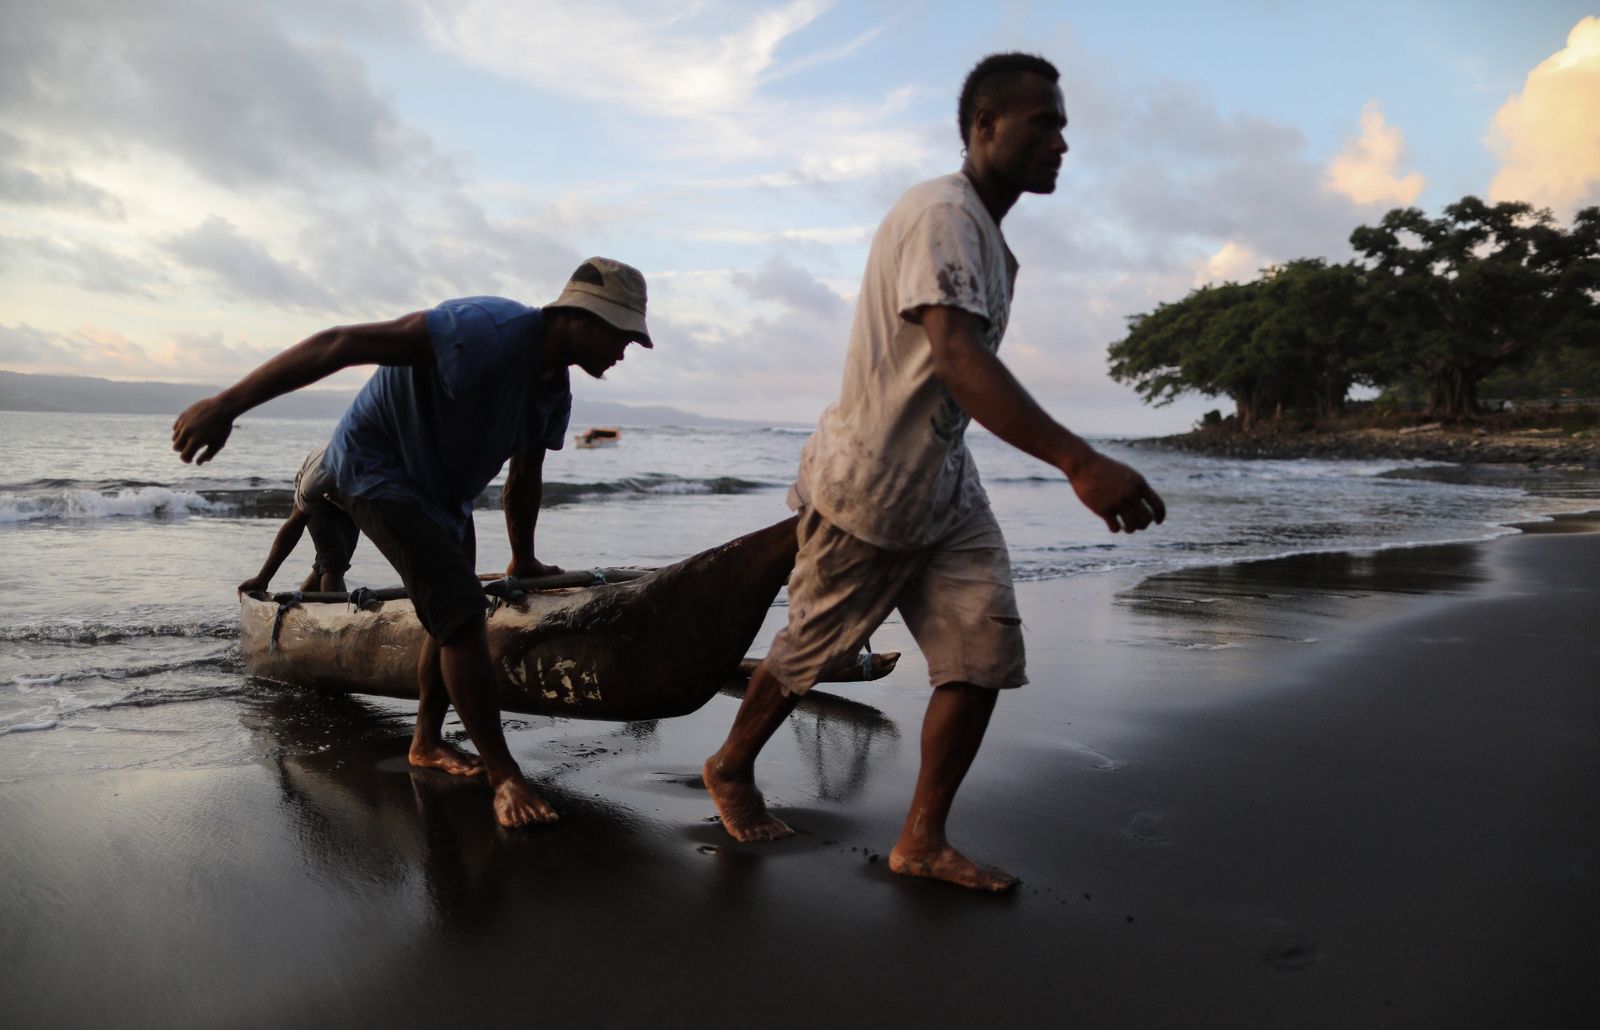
pixel 1099 759
pixel 1145 827
pixel 1293 957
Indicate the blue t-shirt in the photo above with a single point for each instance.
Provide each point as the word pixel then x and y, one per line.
pixel 435 436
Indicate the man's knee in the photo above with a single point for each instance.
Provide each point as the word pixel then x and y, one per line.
pixel 976 691
pixel 466 630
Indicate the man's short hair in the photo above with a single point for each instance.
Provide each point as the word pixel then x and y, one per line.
pixel 993 82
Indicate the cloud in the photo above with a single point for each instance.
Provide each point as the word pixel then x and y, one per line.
pixel 1159 184
pixel 216 85
pixel 211 357
pixel 1232 262
pixel 668 60
pixel 244 268
pixel 245 161
pixel 844 235
pixel 691 82
pixel 1367 169
pixel 26 346
pixel 1548 136
pixel 779 358
pixel 93 350
pixel 389 253
pixel 268 177
pixel 783 281
pixel 89 266
pixel 22 182
pixel 78 351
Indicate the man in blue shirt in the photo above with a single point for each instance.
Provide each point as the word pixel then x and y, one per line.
pixel 461 389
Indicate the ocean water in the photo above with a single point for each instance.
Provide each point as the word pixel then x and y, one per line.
pixel 117 613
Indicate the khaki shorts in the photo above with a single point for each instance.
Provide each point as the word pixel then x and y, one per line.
pixel 956 598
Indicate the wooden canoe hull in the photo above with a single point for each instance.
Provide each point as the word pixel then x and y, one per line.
pixel 655 647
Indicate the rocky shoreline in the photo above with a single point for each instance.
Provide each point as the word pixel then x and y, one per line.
pixel 1466 445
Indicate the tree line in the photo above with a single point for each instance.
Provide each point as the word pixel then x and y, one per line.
pixel 1431 310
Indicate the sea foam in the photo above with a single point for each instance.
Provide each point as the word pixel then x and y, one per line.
pixel 78 504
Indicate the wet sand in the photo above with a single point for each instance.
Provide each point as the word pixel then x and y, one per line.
pixel 1335 790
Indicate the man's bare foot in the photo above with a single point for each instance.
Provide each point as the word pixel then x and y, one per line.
pixel 516 805
pixel 447 757
pixel 951 866
pixel 742 808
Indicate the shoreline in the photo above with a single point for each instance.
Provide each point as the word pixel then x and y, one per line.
pixel 1460 444
pixel 1334 789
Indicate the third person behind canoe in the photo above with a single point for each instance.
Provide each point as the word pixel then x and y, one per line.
pixel 333 534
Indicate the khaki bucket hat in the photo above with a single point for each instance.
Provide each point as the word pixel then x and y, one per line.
pixel 612 290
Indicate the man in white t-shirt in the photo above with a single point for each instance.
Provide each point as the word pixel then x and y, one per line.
pixel 892 515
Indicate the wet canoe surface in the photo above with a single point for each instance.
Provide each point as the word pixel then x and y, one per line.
pixel 654 647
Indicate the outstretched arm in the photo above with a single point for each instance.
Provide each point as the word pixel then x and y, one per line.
pixel 203 428
pixel 282 544
pixel 523 492
pixel 991 394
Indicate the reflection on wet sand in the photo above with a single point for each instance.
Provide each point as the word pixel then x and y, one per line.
pixel 1545 481
pixel 1279 598
pixel 367 822
pixel 841 738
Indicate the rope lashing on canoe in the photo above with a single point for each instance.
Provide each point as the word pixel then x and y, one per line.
pixel 507 590
pixel 286 600
pixel 865 658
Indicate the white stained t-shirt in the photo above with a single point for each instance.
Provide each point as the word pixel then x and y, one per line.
pixel 888 462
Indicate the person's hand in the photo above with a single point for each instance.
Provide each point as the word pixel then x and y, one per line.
pixel 1117 494
pixel 202 429
pixel 253 584
pixel 531 568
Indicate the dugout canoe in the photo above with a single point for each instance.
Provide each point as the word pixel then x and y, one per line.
pixel 656 646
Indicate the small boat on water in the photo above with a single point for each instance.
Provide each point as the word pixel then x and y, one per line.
pixel 598 436
pixel 629 645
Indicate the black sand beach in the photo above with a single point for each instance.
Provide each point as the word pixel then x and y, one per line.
pixel 1328 791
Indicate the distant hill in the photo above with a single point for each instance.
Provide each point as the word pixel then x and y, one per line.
pixel 25 392
pixel 20 391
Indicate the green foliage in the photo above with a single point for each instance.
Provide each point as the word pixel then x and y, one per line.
pixel 1437 306
pixel 1293 339
pixel 1552 372
pixel 1457 297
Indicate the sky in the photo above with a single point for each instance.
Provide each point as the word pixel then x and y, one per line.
pixel 189 186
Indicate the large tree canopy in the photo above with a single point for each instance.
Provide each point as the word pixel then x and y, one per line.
pixel 1459 296
pixel 1436 304
pixel 1292 339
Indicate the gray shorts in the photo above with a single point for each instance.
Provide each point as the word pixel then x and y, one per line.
pixel 956 598
pixel 333 533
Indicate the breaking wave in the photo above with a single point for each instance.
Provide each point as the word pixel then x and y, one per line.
pixel 638 486
pixel 74 503
pixel 228 660
pixel 76 500
pixel 111 633
pixel 66 709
